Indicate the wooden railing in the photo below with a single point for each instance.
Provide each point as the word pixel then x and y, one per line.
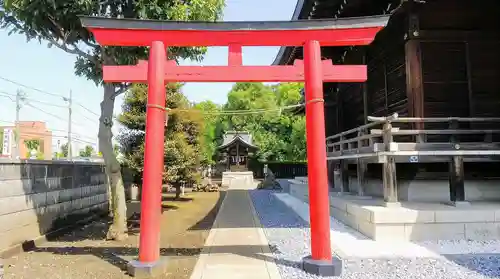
pixel 381 137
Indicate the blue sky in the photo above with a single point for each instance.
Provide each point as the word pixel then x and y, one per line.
pixel 51 70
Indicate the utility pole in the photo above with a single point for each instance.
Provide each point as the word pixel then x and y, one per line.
pixel 58 148
pixel 17 136
pixel 70 103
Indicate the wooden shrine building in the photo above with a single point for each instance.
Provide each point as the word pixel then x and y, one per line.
pixel 425 127
pixel 235 150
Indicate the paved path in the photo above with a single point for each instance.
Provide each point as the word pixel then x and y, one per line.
pixel 236 247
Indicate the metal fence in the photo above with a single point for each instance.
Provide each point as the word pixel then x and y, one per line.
pixel 280 169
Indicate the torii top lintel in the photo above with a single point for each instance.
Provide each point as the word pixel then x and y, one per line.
pixel 328 32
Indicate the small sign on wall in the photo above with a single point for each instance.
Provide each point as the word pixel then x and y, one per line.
pixel 8 136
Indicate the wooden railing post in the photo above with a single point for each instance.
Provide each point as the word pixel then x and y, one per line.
pixel 389 169
pixel 456 171
pixel 361 168
pixel 344 170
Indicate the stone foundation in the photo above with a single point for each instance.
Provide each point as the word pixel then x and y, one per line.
pixel 416 221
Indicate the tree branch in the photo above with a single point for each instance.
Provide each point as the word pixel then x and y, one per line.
pixel 91 44
pixel 64 47
pixel 121 89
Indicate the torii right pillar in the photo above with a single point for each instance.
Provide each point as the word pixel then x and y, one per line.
pixel 320 262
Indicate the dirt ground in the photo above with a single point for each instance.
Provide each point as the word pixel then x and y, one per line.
pixel 85 254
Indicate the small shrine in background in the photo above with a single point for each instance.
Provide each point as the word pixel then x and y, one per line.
pixel 235 150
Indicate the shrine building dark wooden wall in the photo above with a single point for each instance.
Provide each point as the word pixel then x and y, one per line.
pixel 434 59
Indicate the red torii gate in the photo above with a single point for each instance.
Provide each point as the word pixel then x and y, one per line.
pixel 310 34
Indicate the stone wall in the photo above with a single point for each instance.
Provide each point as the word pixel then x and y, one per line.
pixel 39 197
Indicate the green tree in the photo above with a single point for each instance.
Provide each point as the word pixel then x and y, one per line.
pixel 184 135
pixel 209 112
pixel 298 140
pixel 57 23
pixel 64 151
pixel 280 134
pixel 32 144
pixel 87 151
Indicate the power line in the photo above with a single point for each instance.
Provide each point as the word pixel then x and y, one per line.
pixel 7 96
pixel 53 115
pixel 30 87
pixel 239 112
pixel 88 110
pixel 48 113
pixel 31 100
pixel 43 92
pixel 88 118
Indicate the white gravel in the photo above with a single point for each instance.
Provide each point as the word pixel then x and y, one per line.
pixel 456 247
pixel 289 234
pixel 347 242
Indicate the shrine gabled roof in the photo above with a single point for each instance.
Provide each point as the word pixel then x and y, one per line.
pixel 231 137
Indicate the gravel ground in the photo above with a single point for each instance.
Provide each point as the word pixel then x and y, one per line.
pixel 452 247
pixel 290 235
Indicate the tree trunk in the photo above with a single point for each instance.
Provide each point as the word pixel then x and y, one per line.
pixel 118 229
pixel 177 191
pixel 110 197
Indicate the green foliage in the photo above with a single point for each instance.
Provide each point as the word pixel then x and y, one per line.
pixel 280 135
pixel 210 126
pixel 64 151
pixel 184 135
pixel 40 156
pixel 87 151
pixel 57 23
pixel 32 144
pixel 116 149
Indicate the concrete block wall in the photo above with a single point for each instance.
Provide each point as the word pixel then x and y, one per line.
pixel 38 197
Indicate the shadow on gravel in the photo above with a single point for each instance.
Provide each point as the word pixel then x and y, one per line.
pixel 487 265
pixel 280 210
pixel 118 256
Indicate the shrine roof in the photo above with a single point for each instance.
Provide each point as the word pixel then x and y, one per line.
pixel 340 9
pixel 135 32
pixel 171 25
pixel 231 137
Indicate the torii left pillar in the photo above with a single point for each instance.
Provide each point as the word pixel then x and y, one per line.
pixel 149 262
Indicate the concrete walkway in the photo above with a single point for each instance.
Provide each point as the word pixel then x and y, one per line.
pixel 236 247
